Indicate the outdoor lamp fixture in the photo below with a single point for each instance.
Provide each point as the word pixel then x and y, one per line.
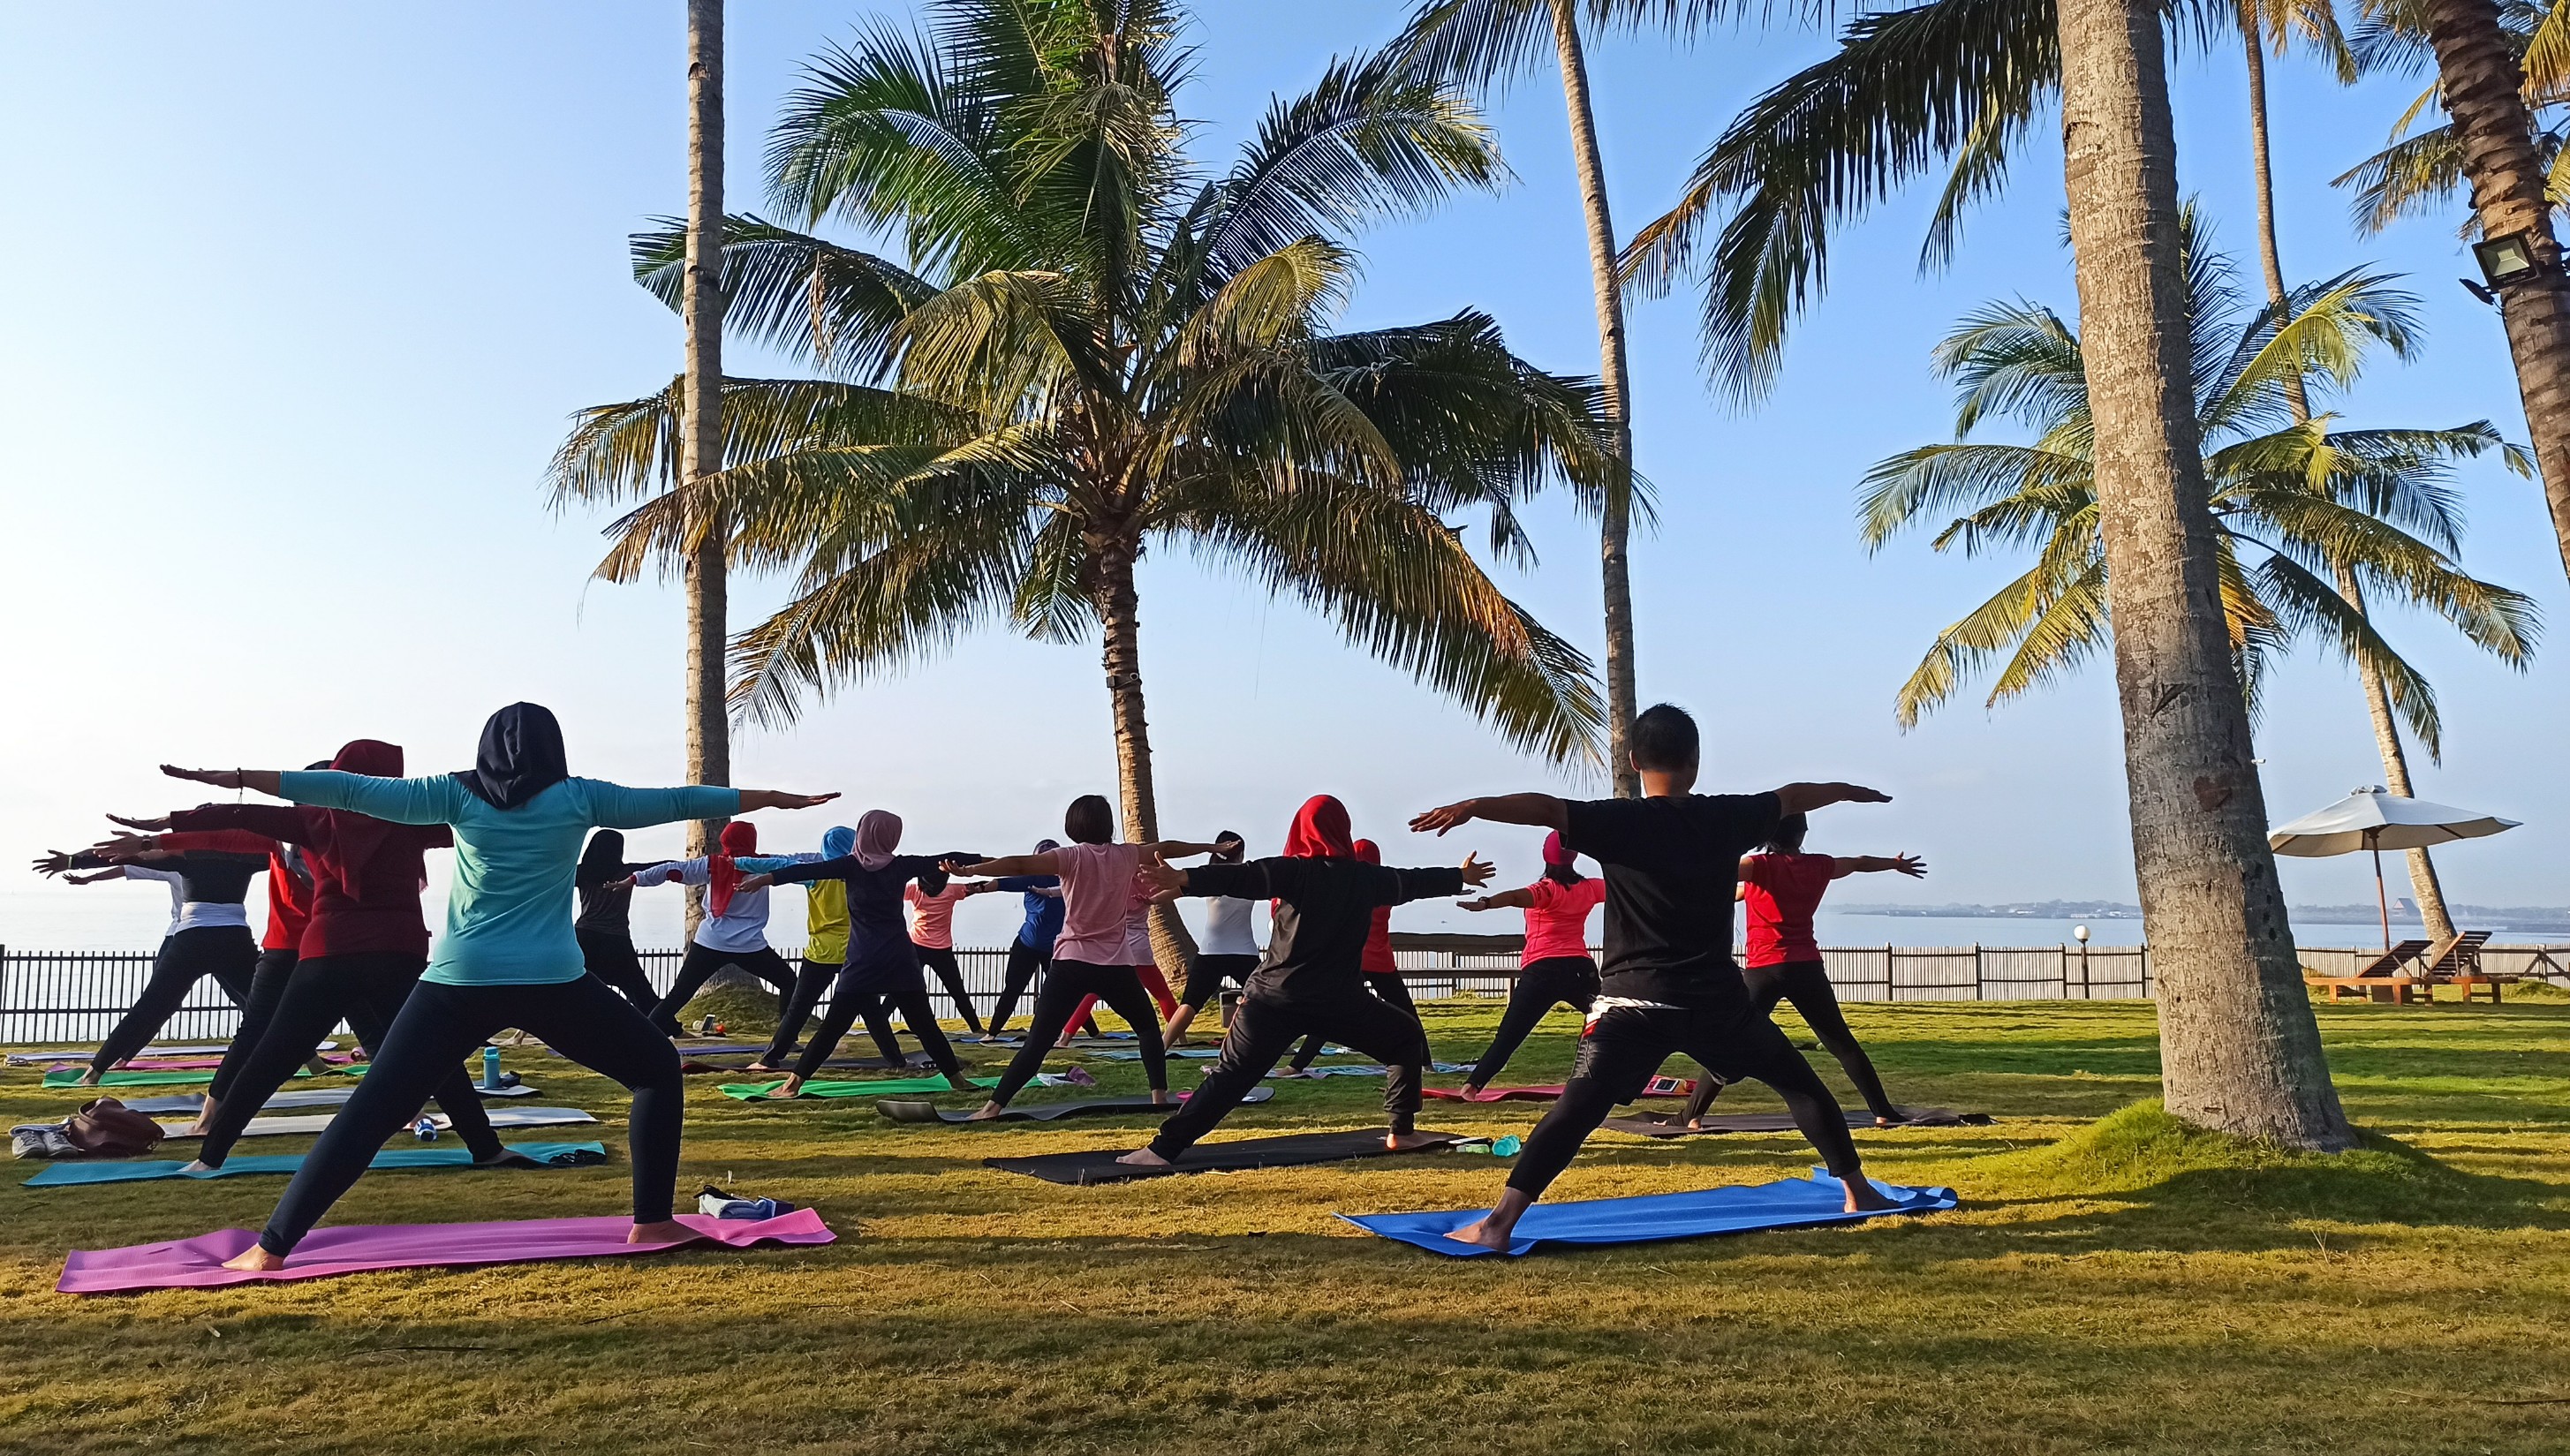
pixel 2507 260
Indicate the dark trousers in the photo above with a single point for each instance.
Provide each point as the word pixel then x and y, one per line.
pixel 702 961
pixel 1206 976
pixel 268 982
pixel 939 959
pixel 1266 1024
pixel 1806 985
pixel 1392 988
pixel 873 976
pixel 583 1019
pixel 1558 980
pixel 368 989
pixel 610 958
pixel 1622 1050
pixel 1066 986
pixel 226 952
pixel 811 982
pixel 1024 963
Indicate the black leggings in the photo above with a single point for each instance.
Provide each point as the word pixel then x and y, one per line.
pixel 610 958
pixel 1064 986
pixel 1393 991
pixel 1265 1025
pixel 1556 980
pixel 811 980
pixel 581 1018
pixel 226 952
pixel 1024 962
pixel 368 989
pixel 702 961
pixel 1622 1050
pixel 1806 985
pixel 941 959
pixel 872 977
pixel 267 984
pixel 1206 973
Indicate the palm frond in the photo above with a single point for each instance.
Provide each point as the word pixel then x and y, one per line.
pixel 836 305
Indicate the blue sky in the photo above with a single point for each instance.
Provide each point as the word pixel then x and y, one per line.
pixel 306 294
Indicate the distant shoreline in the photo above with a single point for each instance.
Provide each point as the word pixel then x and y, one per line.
pixel 2521 919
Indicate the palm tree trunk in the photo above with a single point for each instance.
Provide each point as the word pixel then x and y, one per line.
pixel 1615 375
pixel 2240 1050
pixel 2483 92
pixel 1119 622
pixel 2386 729
pixel 701 306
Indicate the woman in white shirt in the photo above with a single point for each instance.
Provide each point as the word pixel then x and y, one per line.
pixel 1229 948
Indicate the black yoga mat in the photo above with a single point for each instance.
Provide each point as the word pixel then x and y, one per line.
pixel 1673 1125
pixel 1295 1151
pixel 920 1109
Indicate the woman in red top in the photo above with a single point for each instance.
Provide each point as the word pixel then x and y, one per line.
pixel 1555 969
pixel 1782 888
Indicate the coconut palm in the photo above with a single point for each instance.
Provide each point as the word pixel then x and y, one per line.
pixel 2296 502
pixel 708 727
pixel 2420 169
pixel 1093 348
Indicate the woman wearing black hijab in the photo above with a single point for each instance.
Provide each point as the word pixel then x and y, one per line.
pixel 605 926
pixel 509 957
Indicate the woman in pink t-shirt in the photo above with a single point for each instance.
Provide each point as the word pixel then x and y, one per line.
pixel 1555 969
pixel 1782 889
pixel 1090 956
pixel 931 922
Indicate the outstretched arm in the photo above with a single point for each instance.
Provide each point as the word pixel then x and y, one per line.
pixel 1177 850
pixel 1544 811
pixel 1505 900
pixel 1008 865
pixel 263 780
pixel 1910 865
pixel 1804 798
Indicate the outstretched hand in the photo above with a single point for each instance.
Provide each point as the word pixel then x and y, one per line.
pixel 123 846
pixel 218 778
pixel 1477 871
pixel 55 862
pixel 754 882
pixel 1910 865
pixel 151 825
pixel 1161 880
pixel 1453 816
pixel 1473 904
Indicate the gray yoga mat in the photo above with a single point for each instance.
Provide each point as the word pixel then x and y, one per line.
pixel 1295 1150
pixel 313 1122
pixel 82 1054
pixel 1673 1125
pixel 908 1109
pixel 288 1098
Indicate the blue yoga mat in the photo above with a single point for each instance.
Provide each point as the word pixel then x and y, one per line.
pixel 59 1174
pixel 1658 1217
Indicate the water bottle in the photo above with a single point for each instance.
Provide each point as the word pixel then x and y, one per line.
pixel 491 1067
pixel 1502 1146
pixel 425 1129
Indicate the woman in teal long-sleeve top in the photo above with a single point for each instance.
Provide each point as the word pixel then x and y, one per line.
pixel 508 958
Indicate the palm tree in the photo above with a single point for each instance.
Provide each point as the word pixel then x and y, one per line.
pixel 709 735
pixel 2420 169
pixel 2299 508
pixel 1094 348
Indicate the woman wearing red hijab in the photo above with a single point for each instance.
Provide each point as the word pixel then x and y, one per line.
pixel 1311 981
pixel 734 928
pixel 1382 971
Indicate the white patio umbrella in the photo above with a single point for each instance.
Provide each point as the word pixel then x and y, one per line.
pixel 2371 819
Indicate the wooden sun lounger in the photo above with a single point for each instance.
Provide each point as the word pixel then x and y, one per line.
pixel 2459 964
pixel 2379 980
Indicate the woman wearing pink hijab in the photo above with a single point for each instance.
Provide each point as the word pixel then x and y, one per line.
pixel 1555 969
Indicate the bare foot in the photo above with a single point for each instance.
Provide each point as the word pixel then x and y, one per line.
pixel 1395 1142
pixel 985 1113
pixel 960 1082
pixel 666 1231
pixel 200 1166
pixel 786 1091
pixel 1864 1198
pixel 1482 1233
pixel 1470 1091
pixel 255 1259
pixel 1160 1097
pixel 88 1079
pixel 1143 1158
pixel 763 1069
pixel 1880 1120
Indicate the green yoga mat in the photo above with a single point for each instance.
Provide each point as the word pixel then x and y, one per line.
pixel 551 1155
pixel 70 1077
pixel 886 1087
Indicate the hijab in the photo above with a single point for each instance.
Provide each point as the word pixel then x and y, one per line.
pixel 521 756
pixel 838 842
pixel 1368 850
pixel 356 839
pixel 878 835
pixel 722 869
pixel 1320 831
pixel 1560 861
pixel 603 860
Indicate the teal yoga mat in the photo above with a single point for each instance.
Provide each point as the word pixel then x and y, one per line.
pixel 63 1175
pixel 70 1077
pixel 881 1087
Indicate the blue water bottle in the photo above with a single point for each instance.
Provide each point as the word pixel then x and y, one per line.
pixel 489 1066
pixel 425 1129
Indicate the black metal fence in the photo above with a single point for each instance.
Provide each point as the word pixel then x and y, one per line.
pixel 73 996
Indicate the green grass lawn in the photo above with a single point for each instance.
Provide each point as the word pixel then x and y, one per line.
pixel 2108 1286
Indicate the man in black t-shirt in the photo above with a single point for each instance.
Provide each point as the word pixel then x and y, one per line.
pixel 1669 984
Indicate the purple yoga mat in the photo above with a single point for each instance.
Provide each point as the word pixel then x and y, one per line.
pixel 199 1263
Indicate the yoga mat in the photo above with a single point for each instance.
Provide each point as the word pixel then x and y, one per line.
pixel 1296 1150
pixel 208 1064
pixel 1656 1087
pixel 557 1155
pixel 500 1117
pixel 902 1109
pixel 1673 1125
pixel 693 1066
pixel 199 1263
pixel 1656 1218
pixel 277 1101
pixel 68 1077
pixel 881 1087
pixel 1111 1038
pixel 1366 1069
pixel 82 1054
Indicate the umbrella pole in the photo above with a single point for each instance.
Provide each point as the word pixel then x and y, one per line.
pixel 2380 902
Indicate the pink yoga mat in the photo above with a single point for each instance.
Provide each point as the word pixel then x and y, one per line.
pixel 199 1263
pixel 1657 1087
pixel 208 1064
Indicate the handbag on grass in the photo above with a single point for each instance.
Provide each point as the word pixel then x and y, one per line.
pixel 107 1128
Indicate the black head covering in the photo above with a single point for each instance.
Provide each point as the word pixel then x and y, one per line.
pixel 603 860
pixel 521 756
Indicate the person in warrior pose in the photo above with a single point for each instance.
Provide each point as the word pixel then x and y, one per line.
pixel 1031 951
pixel 1311 982
pixel 1671 862
pixel 605 925
pixel 209 934
pixel 508 958
pixel 881 963
pixel 825 954
pixel 1781 887
pixel 1382 970
pixel 363 952
pixel 734 928
pixel 1229 950
pixel 930 921
pixel 1555 968
pixel 1093 957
